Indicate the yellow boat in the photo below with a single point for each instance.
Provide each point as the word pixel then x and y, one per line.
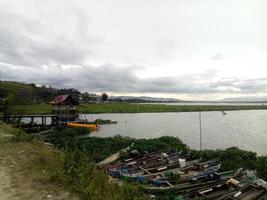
pixel 89 126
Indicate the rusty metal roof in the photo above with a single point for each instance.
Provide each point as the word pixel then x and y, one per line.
pixel 62 99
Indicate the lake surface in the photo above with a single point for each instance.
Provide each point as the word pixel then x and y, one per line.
pixel 213 103
pixel 245 129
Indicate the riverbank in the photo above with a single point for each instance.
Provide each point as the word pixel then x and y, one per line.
pixel 24 172
pixel 86 178
pixel 30 169
pixel 133 108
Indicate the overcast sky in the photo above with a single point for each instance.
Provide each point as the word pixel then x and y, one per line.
pixel 187 49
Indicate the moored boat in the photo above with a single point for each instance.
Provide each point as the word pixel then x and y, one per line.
pixel 81 125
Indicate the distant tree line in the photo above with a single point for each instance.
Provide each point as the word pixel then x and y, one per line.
pixel 23 93
pixel 17 93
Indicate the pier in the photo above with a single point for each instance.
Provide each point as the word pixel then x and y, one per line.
pixel 18 118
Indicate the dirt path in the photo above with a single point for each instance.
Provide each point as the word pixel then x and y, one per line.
pixel 20 176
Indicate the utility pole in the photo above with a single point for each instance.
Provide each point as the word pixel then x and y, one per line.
pixel 200 131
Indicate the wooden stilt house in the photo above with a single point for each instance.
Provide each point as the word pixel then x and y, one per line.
pixel 65 107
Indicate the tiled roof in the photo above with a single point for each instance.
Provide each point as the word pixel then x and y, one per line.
pixel 59 99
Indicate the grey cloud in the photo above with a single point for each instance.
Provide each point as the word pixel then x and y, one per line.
pixel 252 85
pixel 111 78
pixel 44 44
pixel 26 41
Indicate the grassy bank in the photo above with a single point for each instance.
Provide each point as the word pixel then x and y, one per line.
pixel 28 168
pixel 133 108
pixel 72 168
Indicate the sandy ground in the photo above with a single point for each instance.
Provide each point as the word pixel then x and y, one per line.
pixel 19 177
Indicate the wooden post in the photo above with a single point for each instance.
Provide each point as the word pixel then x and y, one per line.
pixel 200 131
pixel 59 120
pixel 19 121
pixel 68 111
pixel 5 118
pixel 52 121
pixel 43 120
pixel 32 120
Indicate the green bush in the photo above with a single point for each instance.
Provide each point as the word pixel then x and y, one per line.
pixel 64 137
pixel 165 142
pixel 92 183
pixel 21 136
pixel 261 167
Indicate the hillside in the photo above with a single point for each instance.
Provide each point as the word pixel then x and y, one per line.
pixel 17 93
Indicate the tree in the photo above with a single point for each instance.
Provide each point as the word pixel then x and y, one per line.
pixel 104 97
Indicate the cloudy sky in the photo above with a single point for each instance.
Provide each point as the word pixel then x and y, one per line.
pixel 187 49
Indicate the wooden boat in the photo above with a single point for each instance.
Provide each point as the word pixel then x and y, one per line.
pixel 132 166
pixel 113 157
pixel 182 188
pixel 217 191
pixel 146 157
pixel 80 125
pixel 136 161
pixel 144 175
pixel 115 169
pixel 209 173
pixel 188 170
pixel 232 189
pixel 251 192
pixel 190 188
pixel 189 165
pixel 159 178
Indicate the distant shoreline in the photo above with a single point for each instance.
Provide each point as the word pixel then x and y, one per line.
pixel 133 108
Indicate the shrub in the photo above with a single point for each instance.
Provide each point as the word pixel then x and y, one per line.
pixel 21 136
pixel 92 183
pixel 262 167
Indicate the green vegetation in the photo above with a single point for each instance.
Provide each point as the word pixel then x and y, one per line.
pixel 133 108
pixel 17 93
pixel 75 165
pixel 22 136
pixel 74 169
pixel 143 108
pixel 31 109
pixel 100 148
pixel 231 158
pixel 93 183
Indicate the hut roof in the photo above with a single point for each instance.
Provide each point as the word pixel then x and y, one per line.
pixel 61 99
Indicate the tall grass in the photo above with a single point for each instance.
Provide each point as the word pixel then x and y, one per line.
pixel 133 108
pixel 74 169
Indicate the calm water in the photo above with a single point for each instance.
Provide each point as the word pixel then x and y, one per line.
pixel 213 103
pixel 245 129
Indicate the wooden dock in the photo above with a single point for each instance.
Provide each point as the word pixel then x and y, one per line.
pixel 54 119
